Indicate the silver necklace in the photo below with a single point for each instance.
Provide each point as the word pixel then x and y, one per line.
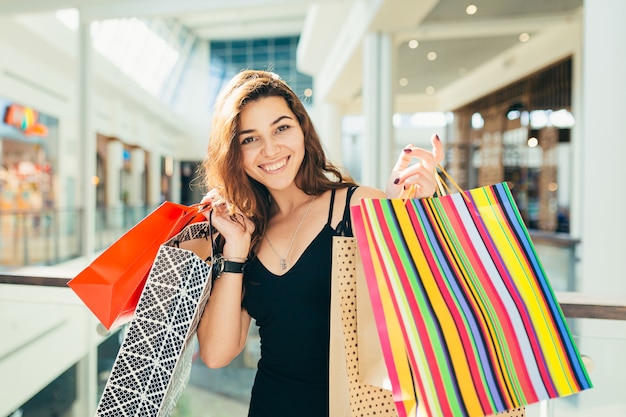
pixel 283 259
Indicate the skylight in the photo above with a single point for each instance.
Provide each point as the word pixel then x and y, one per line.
pixel 133 47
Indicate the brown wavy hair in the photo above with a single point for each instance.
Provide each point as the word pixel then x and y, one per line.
pixel 223 168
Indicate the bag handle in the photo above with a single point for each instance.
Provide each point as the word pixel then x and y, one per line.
pixel 442 188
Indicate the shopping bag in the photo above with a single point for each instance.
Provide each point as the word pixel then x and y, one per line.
pixel 359 381
pixel 153 364
pixel 110 285
pixel 349 395
pixel 481 326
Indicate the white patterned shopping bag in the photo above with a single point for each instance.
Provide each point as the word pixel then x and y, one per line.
pixel 153 364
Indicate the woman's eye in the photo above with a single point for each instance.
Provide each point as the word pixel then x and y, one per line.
pixel 247 140
pixel 283 128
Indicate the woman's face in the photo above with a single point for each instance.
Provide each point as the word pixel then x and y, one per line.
pixel 272 142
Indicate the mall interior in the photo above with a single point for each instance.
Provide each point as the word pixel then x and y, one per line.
pixel 106 110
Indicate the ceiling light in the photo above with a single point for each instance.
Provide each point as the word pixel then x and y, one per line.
pixel 308 92
pixel 513 115
pixel 477 121
pixel 431 56
pixel 403 82
pixel 430 90
pixel 562 119
pixel 413 44
pixel 538 119
pixel 533 142
pixel 429 119
pixel 471 9
pixel 524 37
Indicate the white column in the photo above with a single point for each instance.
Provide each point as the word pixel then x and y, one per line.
pixel 87 376
pixel 175 180
pixel 327 118
pixel 87 139
pixel 115 161
pixel 154 177
pixel 603 199
pixel 377 96
pixel 137 168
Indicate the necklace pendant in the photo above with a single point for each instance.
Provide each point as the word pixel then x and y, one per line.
pixel 283 264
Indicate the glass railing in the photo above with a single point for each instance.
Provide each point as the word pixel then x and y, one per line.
pixel 598 328
pixel 39 238
pixel 50 237
pixel 602 344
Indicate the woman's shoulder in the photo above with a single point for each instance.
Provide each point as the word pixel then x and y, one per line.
pixel 366 192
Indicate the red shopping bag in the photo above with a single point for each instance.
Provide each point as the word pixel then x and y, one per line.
pixel 111 285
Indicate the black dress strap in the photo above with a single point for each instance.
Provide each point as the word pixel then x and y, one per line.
pixel 330 208
pixel 344 228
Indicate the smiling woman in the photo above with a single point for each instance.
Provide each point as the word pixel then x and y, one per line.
pixel 277 203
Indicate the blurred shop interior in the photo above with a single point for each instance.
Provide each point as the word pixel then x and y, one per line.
pixel 105 113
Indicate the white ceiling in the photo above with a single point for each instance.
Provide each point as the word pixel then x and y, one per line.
pixel 462 42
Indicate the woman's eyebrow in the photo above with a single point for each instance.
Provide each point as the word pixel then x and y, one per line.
pixel 245 132
pixel 281 118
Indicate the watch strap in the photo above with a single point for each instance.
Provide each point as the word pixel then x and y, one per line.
pixel 232 266
pixel 221 265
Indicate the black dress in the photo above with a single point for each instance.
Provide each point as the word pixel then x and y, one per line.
pixel 293 315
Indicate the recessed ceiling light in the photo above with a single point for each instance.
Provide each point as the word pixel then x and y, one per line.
pixel 431 56
pixel 524 37
pixel 308 92
pixel 471 9
pixel 430 90
pixel 413 43
pixel 403 82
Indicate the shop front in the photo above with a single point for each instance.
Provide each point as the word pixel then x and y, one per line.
pixel 28 143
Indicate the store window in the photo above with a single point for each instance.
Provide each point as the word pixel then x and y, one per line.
pixel 28 142
pixel 521 135
pixel 28 154
pixel 274 54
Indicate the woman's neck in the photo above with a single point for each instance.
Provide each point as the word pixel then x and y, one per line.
pixel 286 201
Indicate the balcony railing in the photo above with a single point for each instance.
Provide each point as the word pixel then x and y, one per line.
pixel 598 325
pixel 50 237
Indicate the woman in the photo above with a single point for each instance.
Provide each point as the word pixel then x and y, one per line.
pixel 277 202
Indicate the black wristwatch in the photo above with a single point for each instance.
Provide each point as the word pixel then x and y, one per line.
pixel 222 264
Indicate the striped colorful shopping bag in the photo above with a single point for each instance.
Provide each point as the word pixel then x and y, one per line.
pixel 480 324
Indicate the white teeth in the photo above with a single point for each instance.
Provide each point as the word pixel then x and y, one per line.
pixel 274 167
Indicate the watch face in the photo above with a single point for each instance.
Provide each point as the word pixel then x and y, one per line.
pixel 223 265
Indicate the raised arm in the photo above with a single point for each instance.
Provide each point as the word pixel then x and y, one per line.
pixel 421 174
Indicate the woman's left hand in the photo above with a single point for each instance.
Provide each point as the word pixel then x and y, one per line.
pixel 421 174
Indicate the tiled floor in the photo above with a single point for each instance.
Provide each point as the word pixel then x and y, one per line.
pixel 200 402
pixel 217 392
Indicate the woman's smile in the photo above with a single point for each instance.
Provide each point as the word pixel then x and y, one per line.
pixel 274 166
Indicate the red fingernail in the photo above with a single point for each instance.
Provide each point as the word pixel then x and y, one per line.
pixel 397 180
pixel 407 150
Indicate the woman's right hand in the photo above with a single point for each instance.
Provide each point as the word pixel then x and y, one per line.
pixel 235 228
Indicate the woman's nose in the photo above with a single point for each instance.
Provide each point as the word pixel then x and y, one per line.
pixel 270 146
